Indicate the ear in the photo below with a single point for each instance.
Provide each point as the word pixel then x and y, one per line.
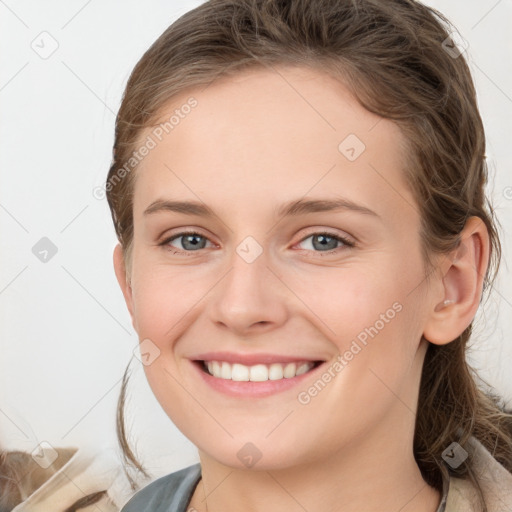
pixel 123 279
pixel 461 282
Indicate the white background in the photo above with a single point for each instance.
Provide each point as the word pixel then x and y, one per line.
pixel 65 335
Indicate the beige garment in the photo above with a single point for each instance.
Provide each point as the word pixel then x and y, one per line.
pixel 86 472
pixel 495 480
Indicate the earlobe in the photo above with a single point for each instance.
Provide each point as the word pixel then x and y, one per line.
pixel 123 278
pixel 461 285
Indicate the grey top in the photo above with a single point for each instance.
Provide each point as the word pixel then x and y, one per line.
pixel 172 493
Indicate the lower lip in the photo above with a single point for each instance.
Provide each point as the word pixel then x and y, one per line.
pixel 252 389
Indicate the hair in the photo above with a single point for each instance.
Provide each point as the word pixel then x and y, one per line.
pixel 20 476
pixel 393 57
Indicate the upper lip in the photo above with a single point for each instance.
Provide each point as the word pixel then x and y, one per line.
pixel 251 359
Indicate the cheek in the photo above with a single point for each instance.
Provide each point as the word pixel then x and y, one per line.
pixel 377 325
pixel 374 375
pixel 165 299
pixel 355 302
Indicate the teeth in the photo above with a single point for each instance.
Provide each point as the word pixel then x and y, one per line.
pixel 289 370
pixel 225 371
pixel 275 371
pixel 239 372
pixel 257 373
pixel 303 368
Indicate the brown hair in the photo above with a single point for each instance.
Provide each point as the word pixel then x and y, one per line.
pixel 394 56
pixel 20 476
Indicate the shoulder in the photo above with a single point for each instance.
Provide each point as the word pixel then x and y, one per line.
pixel 494 479
pixel 170 493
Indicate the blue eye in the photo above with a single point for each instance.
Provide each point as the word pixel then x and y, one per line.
pixel 189 241
pixel 192 241
pixel 326 242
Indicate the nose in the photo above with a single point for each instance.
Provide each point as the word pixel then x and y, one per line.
pixel 250 298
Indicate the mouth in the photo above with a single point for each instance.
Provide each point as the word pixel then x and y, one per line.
pixel 238 372
pixel 253 375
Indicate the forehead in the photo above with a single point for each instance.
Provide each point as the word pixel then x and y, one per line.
pixel 277 133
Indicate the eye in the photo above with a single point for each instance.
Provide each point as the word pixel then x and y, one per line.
pixel 325 242
pixel 187 242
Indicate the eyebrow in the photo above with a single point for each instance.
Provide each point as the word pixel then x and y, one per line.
pixel 292 208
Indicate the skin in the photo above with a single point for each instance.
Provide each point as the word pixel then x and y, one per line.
pixel 254 142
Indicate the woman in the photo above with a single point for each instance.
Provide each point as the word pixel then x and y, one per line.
pixel 304 240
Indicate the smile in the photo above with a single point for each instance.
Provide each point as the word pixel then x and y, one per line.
pixel 259 372
pixel 254 375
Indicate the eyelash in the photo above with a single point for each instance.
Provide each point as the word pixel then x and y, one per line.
pixel 345 241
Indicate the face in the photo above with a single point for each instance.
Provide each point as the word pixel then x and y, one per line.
pixel 296 277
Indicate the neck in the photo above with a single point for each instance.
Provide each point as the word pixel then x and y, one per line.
pixel 375 475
